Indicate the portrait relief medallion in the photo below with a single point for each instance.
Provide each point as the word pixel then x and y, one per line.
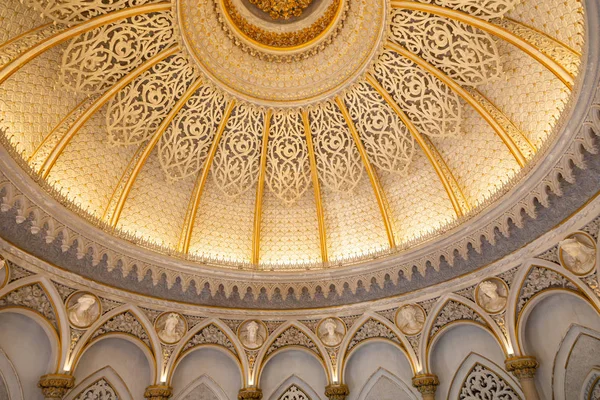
pixel 83 309
pixel 170 327
pixel 252 333
pixel 410 319
pixel 577 253
pixel 331 331
pixel 492 295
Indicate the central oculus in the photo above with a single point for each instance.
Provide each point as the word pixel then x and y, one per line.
pixel 282 9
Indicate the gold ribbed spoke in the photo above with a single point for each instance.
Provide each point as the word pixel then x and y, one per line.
pixel 260 187
pixel 558 70
pixel 148 149
pixel 457 198
pixel 97 105
pixel 379 195
pixel 466 96
pixel 76 30
pixel 190 217
pixel 316 186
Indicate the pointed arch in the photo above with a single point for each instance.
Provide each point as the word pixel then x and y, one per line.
pixel 228 344
pixel 557 280
pixel 266 353
pixel 53 320
pixel 294 380
pixel 384 373
pixel 346 348
pixel 563 355
pixel 150 347
pixel 433 332
pixel 106 374
pixel 9 375
pixel 475 365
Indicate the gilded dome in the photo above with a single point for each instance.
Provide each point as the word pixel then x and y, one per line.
pixel 284 135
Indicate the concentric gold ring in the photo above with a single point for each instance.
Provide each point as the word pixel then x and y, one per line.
pixel 291 41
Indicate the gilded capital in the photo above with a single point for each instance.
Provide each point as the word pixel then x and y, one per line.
pixel 426 383
pixel 158 392
pixel 337 392
pixel 523 367
pixel 56 386
pixel 250 394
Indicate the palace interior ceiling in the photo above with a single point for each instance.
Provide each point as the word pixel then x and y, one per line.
pixel 291 154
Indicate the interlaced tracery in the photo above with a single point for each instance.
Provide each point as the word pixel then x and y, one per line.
pixel 97 59
pixel 386 139
pixel 184 146
pixel 288 169
pixel 463 52
pixel 237 162
pixel 135 113
pixel 432 106
pixel 338 161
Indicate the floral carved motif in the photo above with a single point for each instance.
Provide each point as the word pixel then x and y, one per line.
pixel 293 337
pixel 540 279
pixel 33 297
pixel 124 323
pixel 481 383
pixel 294 393
pixel 210 334
pixel 372 329
pixel 99 390
pixel 454 311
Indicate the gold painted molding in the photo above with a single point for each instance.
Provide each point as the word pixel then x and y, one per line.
pixel 98 104
pixel 495 30
pixel 76 30
pixel 466 96
pixel 316 186
pixel 379 195
pixel 148 149
pixel 188 226
pixel 457 198
pixel 260 187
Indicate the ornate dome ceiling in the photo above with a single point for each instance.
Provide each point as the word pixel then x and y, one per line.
pixel 284 134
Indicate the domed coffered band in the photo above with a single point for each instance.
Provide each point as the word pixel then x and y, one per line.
pixel 283 172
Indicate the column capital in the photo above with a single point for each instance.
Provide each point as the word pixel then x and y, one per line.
pixel 158 392
pixel 56 386
pixel 522 366
pixel 337 392
pixel 426 383
pixel 250 394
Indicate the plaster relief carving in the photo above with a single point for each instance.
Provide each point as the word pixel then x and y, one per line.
pixel 491 295
pixel 577 253
pixel 331 331
pixel 210 334
pixel 126 323
pixel 410 319
pixel 482 383
pixel 83 309
pixel 293 337
pixel 252 334
pixel 99 390
pixel 372 329
pixel 294 393
pixel 33 297
pixel 171 327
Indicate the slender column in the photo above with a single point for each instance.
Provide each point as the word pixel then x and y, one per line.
pixel 426 384
pixel 250 394
pixel 158 392
pixel 56 386
pixel 523 368
pixel 337 392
